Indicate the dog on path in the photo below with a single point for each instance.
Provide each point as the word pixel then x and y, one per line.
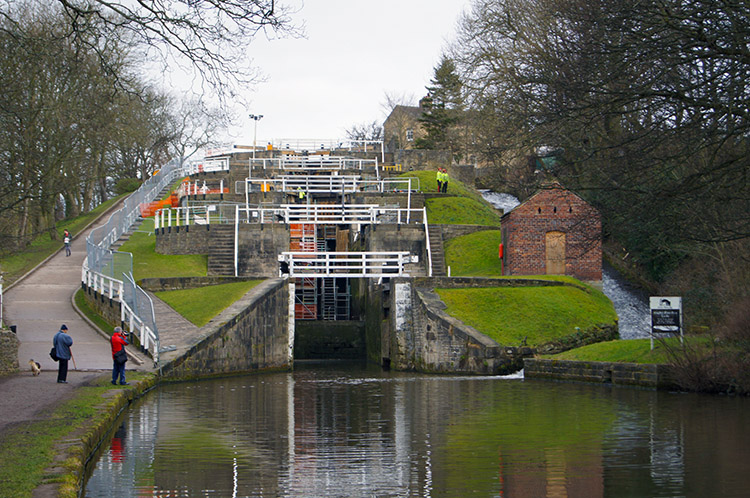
pixel 36 367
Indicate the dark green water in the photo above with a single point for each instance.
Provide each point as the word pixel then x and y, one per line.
pixel 344 430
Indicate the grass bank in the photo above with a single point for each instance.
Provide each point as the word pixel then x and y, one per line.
pixel 474 255
pixel 201 304
pixel 462 205
pixel 630 351
pixel 90 313
pixel 513 316
pixel 148 263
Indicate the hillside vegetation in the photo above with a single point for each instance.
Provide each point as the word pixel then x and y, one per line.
pixel 201 304
pixel 148 263
pixel 462 205
pixel 532 316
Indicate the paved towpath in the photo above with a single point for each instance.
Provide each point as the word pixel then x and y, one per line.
pixel 38 304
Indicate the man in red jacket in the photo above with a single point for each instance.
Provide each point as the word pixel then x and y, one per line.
pixel 118 342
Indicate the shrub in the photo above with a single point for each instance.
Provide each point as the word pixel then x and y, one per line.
pixel 126 185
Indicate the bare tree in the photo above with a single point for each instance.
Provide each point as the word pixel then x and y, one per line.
pixel 365 131
pixel 209 36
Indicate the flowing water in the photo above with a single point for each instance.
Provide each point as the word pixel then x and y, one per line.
pixel 346 430
pixel 631 304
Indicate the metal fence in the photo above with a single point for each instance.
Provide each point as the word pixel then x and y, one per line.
pixel 230 213
pixel 102 261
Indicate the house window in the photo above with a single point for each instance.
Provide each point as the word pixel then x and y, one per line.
pixel 409 135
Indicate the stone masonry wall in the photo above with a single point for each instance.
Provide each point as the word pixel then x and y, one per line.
pixel 625 374
pixel 406 238
pixel 419 335
pixel 426 339
pixel 183 240
pixel 259 246
pixel 180 283
pixel 254 337
pixel 453 231
pixel 8 352
pixel 422 159
pixel 109 309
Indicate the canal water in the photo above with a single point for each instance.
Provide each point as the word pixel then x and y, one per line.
pixel 347 430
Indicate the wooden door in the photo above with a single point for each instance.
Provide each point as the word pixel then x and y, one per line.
pixel 555 253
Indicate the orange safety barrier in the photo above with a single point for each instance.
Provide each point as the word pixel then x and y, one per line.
pixel 149 209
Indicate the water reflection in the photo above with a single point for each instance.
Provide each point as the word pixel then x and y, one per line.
pixel 346 430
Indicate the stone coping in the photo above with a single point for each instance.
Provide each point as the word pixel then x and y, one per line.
pixel 179 283
pixel 601 372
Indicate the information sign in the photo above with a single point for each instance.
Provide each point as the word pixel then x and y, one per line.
pixel 666 316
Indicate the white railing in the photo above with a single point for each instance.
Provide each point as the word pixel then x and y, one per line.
pixel 194 215
pixel 306 183
pixel 311 163
pixel 115 289
pixel 206 166
pixel 345 264
pixel 427 241
pixel 312 184
pixel 199 187
pixel 285 214
pixel 101 259
pixel 103 284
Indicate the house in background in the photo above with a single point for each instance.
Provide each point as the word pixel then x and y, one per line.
pixel 553 232
pixel 402 128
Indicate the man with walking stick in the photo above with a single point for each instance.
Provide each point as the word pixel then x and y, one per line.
pixel 62 342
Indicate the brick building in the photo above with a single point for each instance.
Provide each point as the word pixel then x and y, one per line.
pixel 554 232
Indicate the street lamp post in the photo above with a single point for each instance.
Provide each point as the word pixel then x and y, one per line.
pixel 256 118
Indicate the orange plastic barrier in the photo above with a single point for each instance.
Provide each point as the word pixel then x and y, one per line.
pixel 149 209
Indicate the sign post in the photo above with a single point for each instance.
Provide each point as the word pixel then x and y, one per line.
pixel 666 316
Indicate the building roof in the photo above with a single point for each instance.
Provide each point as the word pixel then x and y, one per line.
pixel 554 185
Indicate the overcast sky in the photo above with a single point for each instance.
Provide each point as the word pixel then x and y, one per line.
pixel 354 52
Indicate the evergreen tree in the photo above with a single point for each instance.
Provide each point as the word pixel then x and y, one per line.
pixel 443 107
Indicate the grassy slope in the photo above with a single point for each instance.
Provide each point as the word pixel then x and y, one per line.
pixel 539 314
pixel 465 206
pixel 461 211
pixel 632 351
pixel 201 304
pixel 147 263
pixel 17 264
pixel 474 255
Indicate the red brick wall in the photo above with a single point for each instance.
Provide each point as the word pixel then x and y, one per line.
pixel 555 209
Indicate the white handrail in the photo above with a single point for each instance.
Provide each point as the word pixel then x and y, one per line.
pixel 348 264
pixel 329 184
pixel 427 241
pixel 287 213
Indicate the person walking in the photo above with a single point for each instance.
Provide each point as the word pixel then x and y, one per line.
pixel 62 342
pixel 66 241
pixel 119 357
